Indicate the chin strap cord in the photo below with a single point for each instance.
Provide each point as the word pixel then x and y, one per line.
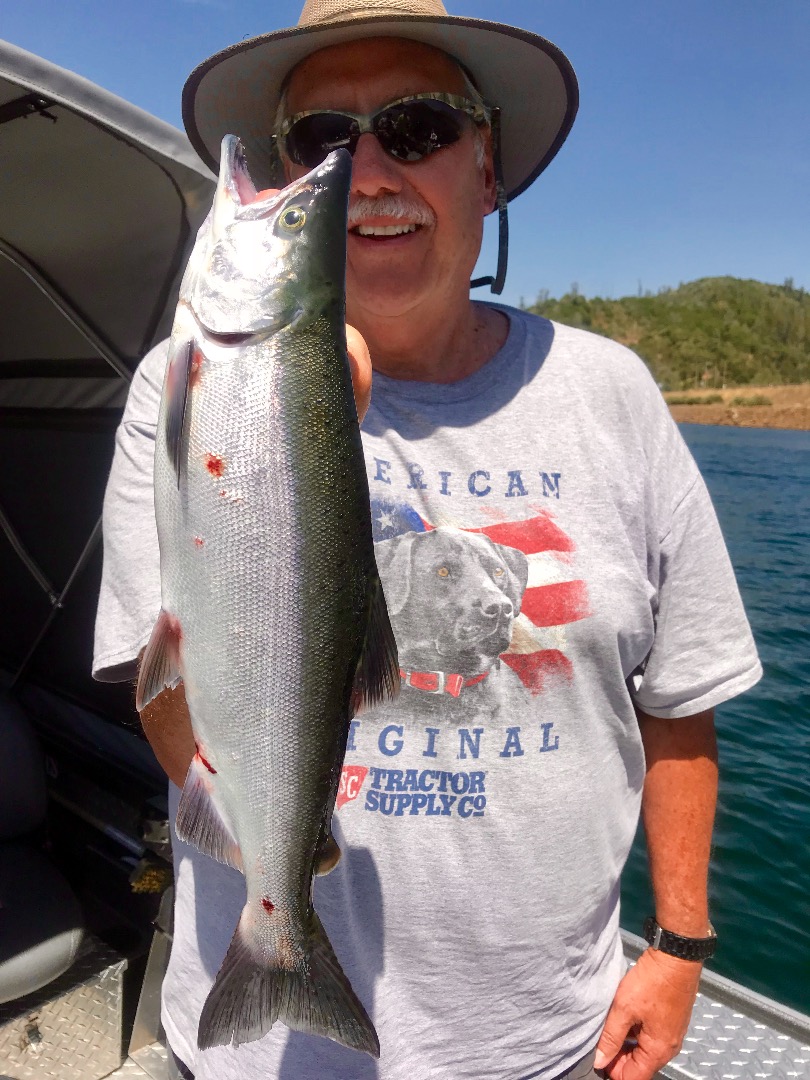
pixel 497 282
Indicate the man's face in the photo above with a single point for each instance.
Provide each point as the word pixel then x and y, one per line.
pixel 448 191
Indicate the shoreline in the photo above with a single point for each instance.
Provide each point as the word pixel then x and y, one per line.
pixel 785 407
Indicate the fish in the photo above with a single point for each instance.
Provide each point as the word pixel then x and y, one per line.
pixel 273 615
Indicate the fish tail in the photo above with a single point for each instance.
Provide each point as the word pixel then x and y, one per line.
pixel 251 992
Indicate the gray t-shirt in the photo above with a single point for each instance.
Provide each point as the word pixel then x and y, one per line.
pixel 550 557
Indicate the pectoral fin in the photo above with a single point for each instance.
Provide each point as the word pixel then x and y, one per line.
pixel 160 667
pixel 377 676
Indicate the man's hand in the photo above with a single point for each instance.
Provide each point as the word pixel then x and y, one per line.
pixel 360 363
pixel 654 1000
pixel 652 1006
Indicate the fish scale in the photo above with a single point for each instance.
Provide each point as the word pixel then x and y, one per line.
pixel 272 611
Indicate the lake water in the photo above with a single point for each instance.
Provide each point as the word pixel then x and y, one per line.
pixel 760 873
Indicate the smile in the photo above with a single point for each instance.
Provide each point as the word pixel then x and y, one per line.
pixel 384 230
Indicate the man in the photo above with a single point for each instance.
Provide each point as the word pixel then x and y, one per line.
pixel 547 548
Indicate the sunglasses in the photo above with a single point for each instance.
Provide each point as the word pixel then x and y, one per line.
pixel 409 128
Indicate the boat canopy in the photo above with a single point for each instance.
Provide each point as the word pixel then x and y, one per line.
pixel 99 204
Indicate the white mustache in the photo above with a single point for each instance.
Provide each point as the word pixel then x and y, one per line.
pixel 389 206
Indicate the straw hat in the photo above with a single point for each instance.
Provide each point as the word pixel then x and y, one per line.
pixel 237 90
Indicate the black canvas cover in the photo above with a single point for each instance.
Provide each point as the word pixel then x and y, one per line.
pixel 99 204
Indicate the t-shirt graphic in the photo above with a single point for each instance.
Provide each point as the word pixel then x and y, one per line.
pixel 499 592
pixel 480 615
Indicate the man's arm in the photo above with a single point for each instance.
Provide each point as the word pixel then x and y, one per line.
pixel 653 1002
pixel 167 725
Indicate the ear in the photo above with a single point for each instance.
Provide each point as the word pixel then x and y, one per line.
pixel 394 558
pixel 490 192
pixel 518 566
pixel 289 173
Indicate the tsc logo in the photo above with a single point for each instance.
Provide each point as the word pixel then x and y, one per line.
pixel 351 782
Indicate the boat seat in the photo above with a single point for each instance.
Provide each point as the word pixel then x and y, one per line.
pixel 42 919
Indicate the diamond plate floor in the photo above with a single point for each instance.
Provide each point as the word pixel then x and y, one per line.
pixel 71 1028
pixel 148 1063
pixel 723 1044
pixel 130 1069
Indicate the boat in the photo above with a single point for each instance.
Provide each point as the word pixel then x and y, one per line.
pixel 99 204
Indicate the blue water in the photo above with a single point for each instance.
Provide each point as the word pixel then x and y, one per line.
pixel 760 871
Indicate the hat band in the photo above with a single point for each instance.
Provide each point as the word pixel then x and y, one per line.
pixel 325 12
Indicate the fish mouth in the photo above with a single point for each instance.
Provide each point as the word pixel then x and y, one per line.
pixel 233 339
pixel 224 341
pixel 227 339
pixel 235 179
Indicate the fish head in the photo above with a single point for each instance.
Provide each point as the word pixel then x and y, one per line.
pixel 261 263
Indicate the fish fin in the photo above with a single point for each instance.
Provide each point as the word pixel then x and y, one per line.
pixel 178 377
pixel 377 676
pixel 199 821
pixel 254 990
pixel 328 855
pixel 160 666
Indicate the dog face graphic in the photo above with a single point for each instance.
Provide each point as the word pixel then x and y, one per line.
pixel 452 597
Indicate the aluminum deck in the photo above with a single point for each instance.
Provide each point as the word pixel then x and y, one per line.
pixel 734 1033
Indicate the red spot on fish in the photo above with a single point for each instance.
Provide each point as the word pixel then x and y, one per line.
pixel 206 762
pixel 268 906
pixel 214 464
pixel 223 493
pixel 199 542
pixel 196 368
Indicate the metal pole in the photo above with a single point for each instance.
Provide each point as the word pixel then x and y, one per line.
pixel 65 308
pixel 58 602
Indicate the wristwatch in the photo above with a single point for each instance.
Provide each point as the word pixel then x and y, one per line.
pixel 685 948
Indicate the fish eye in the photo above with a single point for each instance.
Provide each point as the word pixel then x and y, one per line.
pixel 293 218
pixel 443 571
pixel 498 571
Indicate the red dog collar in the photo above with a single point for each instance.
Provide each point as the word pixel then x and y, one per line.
pixel 439 682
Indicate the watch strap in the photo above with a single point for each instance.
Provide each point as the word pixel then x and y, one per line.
pixel 685 948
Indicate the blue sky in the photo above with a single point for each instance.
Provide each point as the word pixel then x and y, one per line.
pixel 690 156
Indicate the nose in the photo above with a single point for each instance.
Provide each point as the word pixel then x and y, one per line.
pixel 494 608
pixel 373 171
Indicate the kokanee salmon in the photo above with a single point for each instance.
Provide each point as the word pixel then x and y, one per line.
pixel 272 610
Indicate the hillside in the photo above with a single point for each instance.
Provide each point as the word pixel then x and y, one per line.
pixel 708 333
pixel 755 406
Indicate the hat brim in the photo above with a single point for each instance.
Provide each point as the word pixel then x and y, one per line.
pixel 237 91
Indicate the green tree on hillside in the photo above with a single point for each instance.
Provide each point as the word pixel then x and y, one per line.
pixel 708 333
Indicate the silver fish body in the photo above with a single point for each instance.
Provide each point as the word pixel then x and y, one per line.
pixel 272 610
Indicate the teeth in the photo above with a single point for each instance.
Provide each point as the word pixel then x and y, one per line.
pixel 385 230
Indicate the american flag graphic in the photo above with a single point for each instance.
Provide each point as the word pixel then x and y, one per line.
pixel 554 596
